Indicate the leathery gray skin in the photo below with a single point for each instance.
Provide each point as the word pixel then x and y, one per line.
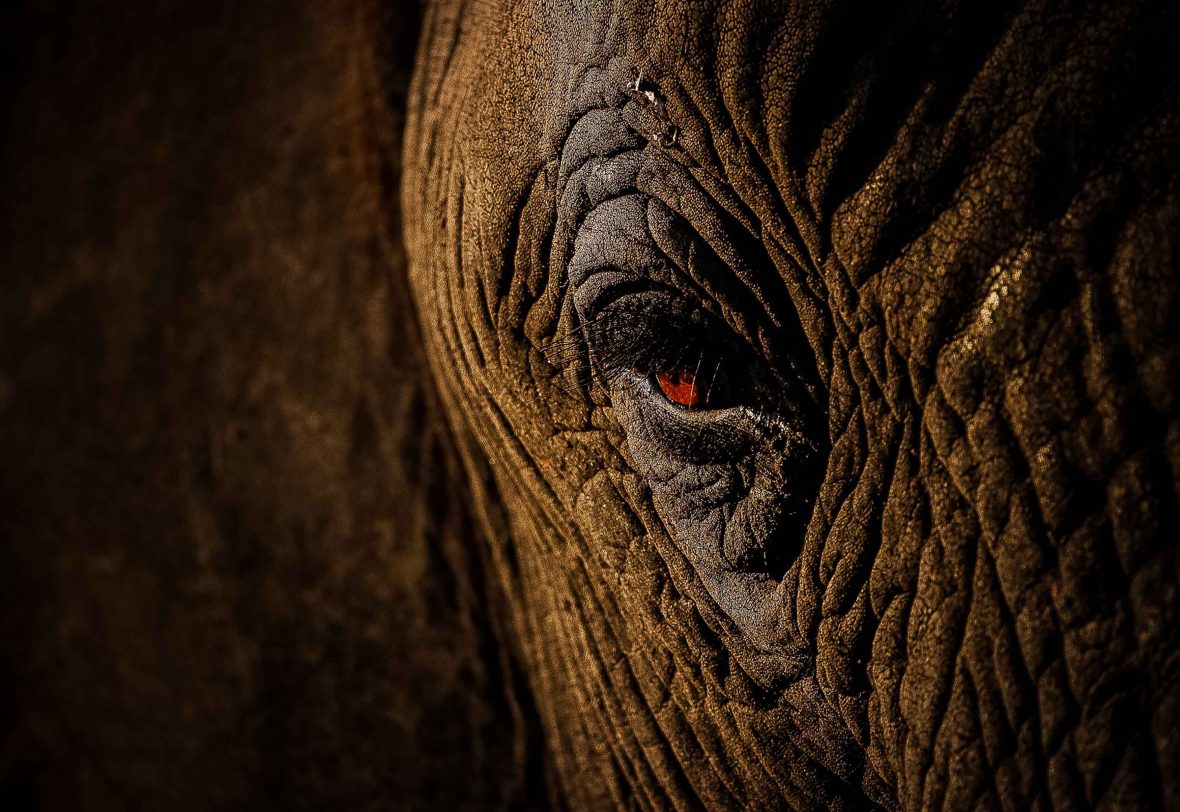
pixel 925 557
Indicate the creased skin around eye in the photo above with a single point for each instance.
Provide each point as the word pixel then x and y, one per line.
pixel 733 491
pixel 730 443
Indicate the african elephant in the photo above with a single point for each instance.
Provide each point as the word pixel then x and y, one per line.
pixel 685 405
pixel 814 366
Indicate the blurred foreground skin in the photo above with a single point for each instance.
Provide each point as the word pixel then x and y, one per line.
pixel 237 566
pixel 602 405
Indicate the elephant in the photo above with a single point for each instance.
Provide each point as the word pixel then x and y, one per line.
pixel 738 404
pixel 814 364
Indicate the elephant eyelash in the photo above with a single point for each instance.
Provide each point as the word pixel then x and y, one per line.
pixel 686 360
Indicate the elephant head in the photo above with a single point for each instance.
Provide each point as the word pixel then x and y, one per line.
pixel 777 409
pixel 814 371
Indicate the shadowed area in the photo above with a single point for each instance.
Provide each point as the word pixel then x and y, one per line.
pixel 234 570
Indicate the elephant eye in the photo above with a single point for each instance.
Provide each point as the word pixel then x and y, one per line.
pixel 690 361
pixel 697 385
pixel 680 386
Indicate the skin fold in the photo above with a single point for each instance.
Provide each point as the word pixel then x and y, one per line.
pixel 538 404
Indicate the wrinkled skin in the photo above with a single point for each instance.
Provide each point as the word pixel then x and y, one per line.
pixel 922 554
pixel 288 522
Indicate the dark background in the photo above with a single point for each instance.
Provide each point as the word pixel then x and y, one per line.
pixel 235 568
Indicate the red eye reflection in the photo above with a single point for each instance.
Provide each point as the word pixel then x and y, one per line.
pixel 680 387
